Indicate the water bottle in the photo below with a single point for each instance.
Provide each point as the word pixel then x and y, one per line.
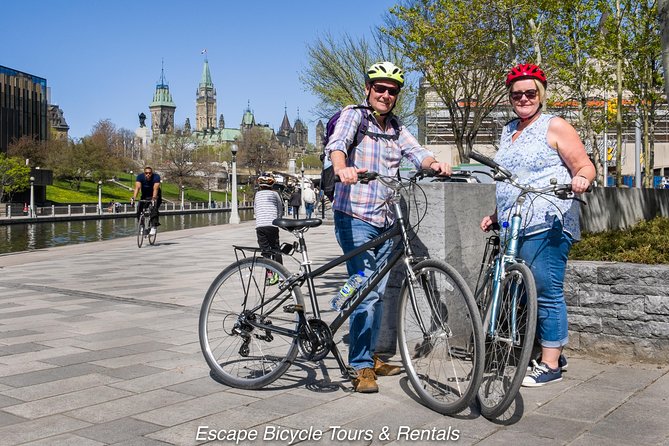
pixel 348 290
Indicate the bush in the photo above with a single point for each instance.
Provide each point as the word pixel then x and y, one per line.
pixel 646 242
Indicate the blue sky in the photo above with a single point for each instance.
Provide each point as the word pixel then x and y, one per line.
pixel 102 59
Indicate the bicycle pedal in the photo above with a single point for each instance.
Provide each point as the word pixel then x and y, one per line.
pixel 293 308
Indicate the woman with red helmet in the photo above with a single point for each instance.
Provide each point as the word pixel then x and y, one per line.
pixel 538 147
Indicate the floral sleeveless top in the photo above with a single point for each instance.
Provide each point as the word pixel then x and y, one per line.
pixel 535 162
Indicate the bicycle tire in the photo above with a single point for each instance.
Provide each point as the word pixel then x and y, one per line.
pixel 237 353
pixel 140 233
pixel 152 237
pixel 505 365
pixel 445 366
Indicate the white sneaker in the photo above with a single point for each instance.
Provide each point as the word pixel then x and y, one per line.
pixel 152 231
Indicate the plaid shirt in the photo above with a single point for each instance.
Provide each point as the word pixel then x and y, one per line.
pixel 369 202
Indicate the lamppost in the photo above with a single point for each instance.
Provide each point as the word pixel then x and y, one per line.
pixel 302 204
pixel 131 178
pixel 234 212
pixel 182 196
pixel 31 211
pixel 99 197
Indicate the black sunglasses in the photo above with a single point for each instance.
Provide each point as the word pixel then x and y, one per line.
pixel 148 173
pixel 518 95
pixel 380 89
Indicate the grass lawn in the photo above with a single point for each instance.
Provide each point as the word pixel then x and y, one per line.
pixel 61 192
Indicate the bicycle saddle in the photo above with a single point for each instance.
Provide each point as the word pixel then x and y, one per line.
pixel 295 225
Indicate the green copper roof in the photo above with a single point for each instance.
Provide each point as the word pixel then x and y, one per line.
pixel 162 97
pixel 206 76
pixel 248 118
pixel 218 136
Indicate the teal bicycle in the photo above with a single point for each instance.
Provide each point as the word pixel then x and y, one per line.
pixel 506 296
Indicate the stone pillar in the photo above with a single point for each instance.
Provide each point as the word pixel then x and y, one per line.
pixel 450 231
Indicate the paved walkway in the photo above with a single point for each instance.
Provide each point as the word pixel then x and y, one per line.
pixel 99 345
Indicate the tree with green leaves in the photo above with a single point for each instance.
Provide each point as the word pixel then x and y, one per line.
pixel 260 152
pixel 337 67
pixel 14 176
pixel 462 48
pixel 573 39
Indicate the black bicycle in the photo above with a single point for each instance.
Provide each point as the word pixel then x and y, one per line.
pixel 254 321
pixel 144 224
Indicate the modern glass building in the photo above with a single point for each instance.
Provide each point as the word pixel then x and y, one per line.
pixel 23 107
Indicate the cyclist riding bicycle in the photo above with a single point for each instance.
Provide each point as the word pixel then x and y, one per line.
pixel 538 147
pixel 362 212
pixel 149 184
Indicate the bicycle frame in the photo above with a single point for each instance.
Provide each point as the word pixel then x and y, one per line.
pixel 501 262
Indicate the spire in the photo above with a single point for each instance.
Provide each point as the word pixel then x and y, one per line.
pixel 162 97
pixel 285 124
pixel 206 75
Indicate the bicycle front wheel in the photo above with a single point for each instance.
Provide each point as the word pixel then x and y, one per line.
pixel 508 348
pixel 140 234
pixel 245 295
pixel 440 337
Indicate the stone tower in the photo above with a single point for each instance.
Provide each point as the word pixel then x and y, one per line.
pixel 205 114
pixel 320 134
pixel 162 108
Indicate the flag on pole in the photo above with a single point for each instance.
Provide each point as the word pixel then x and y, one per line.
pixel 204 51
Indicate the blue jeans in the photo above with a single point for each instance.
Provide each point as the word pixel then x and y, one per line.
pixel 365 321
pixel 308 209
pixel 546 253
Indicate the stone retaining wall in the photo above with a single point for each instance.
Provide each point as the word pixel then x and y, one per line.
pixel 618 310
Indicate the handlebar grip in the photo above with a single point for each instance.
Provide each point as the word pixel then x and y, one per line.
pixel 490 163
pixel 363 178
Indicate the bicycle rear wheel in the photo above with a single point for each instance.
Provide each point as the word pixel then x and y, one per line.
pixel 152 237
pixel 140 233
pixel 440 337
pixel 507 353
pixel 246 294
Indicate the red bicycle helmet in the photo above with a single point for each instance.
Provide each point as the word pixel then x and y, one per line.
pixel 526 71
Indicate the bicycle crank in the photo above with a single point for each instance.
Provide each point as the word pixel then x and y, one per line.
pixel 315 340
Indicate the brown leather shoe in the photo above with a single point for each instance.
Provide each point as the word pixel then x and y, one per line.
pixel 366 381
pixel 383 369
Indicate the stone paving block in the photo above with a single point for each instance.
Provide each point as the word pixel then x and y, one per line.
pixel 132 371
pixel 69 401
pixel 46 355
pixel 560 429
pixel 65 440
pixel 137 358
pixel 60 387
pixel 160 380
pixel 615 377
pixel 202 386
pixel 238 418
pixel 195 408
pixel 15 369
pixel 4 335
pixel 8 350
pixel 38 429
pixel 588 439
pixel 49 374
pixel 127 406
pixel 634 423
pixel 118 430
pixel 593 403
pixel 90 356
pixel 7 419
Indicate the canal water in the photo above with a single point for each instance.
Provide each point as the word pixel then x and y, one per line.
pixel 25 237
